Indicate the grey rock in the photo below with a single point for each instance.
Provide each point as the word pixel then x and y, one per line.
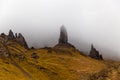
pixel 95 54
pixel 16 35
pixel 21 40
pixel 63 39
pixel 63 36
pixel 11 35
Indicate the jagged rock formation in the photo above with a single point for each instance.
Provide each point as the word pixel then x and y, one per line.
pixel 95 54
pixel 11 35
pixel 21 40
pixel 63 39
pixel 17 37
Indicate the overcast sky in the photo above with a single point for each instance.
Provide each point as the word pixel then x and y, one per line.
pixel 87 21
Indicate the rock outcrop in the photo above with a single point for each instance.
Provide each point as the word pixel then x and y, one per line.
pixel 21 40
pixel 95 54
pixel 17 37
pixel 63 39
pixel 11 35
pixel 63 36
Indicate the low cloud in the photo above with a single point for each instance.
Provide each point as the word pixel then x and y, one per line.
pixel 87 22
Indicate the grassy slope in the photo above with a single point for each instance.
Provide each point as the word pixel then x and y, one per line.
pixel 62 64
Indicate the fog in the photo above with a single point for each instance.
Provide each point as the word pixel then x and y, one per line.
pixel 87 22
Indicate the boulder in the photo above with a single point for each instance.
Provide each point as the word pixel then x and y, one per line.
pixel 34 55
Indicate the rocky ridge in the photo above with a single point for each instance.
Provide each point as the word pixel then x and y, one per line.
pixel 19 38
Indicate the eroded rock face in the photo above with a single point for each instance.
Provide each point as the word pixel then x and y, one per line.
pixel 95 54
pixel 17 37
pixel 21 40
pixel 11 35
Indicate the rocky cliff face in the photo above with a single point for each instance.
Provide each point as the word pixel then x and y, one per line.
pixel 19 38
pixel 95 54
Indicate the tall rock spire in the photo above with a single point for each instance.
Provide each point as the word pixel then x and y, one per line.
pixel 11 35
pixel 21 40
pixel 63 39
pixel 63 35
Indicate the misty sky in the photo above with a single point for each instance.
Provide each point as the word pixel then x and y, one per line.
pixel 87 21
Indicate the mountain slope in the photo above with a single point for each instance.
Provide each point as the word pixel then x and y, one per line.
pixel 62 62
pixel 58 63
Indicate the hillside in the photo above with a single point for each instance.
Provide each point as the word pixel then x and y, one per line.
pixel 61 62
pixel 51 64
